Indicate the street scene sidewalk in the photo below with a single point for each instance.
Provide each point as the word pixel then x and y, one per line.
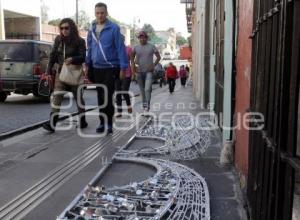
pixel 224 145
pixel 28 110
pixel 60 165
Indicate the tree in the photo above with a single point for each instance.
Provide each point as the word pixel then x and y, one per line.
pixel 156 40
pixel 114 20
pixel 153 38
pixel 44 12
pixel 134 40
pixel 55 22
pixel 149 30
pixel 83 20
pixel 181 40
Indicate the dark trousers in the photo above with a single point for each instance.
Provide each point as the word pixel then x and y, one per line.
pixel 183 81
pixel 107 78
pixel 122 87
pixel 162 82
pixel 172 83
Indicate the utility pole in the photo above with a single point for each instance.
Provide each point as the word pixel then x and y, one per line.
pixel 136 20
pixel 76 12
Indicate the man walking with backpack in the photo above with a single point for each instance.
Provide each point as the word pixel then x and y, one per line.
pixel 106 61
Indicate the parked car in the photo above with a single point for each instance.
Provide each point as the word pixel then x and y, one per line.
pixel 167 56
pixel 158 73
pixel 21 64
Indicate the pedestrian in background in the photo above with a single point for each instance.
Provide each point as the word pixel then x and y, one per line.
pixel 187 68
pixel 160 73
pixel 142 57
pixel 183 75
pixel 69 48
pixel 122 86
pixel 171 75
pixel 106 61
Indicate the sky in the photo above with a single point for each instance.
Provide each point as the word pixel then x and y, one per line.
pixel 161 14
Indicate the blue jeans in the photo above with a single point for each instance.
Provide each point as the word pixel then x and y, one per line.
pixel 145 84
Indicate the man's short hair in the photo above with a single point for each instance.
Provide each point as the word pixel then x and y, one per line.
pixel 100 4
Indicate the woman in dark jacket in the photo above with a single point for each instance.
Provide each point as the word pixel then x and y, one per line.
pixel 69 48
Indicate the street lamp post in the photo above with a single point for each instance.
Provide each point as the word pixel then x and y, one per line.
pixel 136 20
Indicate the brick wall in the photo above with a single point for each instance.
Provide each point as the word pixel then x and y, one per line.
pixel 243 77
pixel 185 53
pixel 27 27
pixel 49 32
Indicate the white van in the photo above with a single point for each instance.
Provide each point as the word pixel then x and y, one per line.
pixel 167 56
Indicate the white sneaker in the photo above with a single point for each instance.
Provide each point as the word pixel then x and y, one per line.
pixel 146 112
pixel 118 115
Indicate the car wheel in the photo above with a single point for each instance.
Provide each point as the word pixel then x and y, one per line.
pixel 3 96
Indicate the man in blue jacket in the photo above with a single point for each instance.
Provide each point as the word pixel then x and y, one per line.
pixel 106 60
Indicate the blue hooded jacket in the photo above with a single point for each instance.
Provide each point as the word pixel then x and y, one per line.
pixel 111 52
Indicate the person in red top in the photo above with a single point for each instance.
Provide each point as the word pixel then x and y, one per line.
pixel 171 75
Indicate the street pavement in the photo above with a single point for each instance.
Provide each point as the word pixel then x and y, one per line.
pixel 28 158
pixel 19 111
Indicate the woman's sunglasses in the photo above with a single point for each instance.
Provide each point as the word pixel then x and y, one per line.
pixel 65 28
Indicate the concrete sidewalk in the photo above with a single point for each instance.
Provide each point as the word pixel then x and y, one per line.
pixel 225 194
pixel 29 158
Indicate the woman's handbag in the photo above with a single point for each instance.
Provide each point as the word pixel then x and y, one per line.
pixel 71 74
pixel 45 86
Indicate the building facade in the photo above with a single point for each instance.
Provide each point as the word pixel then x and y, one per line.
pixel 126 31
pixel 168 41
pixel 246 70
pixel 20 22
pixel 185 53
pixel 49 33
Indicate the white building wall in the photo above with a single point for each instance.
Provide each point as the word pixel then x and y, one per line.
pixel 199 55
pixel 21 9
pixel 126 32
pixel 170 38
pixel 31 8
pixel 228 56
pixel 2 32
pixel 202 59
pixel 212 73
pixel 199 50
pixel 195 55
